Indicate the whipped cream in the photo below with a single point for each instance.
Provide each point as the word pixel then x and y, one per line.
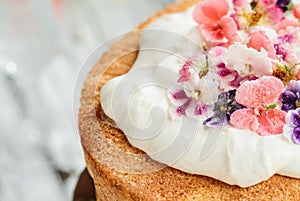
pixel 138 103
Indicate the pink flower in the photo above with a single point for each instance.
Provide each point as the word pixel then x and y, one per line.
pixel 258 40
pixel 184 72
pixel 265 12
pixel 296 11
pixel 261 92
pixel 244 118
pixel 230 30
pixel 267 2
pixel 286 23
pixel 240 3
pixel 214 24
pixel 274 14
pixel 257 95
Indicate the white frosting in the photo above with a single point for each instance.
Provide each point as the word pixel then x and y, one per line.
pixel 231 155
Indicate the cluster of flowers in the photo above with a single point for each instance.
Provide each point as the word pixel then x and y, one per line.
pixel 247 73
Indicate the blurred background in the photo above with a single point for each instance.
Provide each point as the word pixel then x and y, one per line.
pixel 42 46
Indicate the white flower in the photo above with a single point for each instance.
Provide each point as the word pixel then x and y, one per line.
pixel 247 61
pixel 205 90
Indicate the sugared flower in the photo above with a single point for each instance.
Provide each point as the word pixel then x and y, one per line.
pixel 223 108
pixel 267 2
pixel 231 79
pixel 184 72
pixel 284 24
pixel 247 61
pixel 261 92
pixel 257 13
pixel 261 116
pixel 290 98
pixel 289 40
pixel 259 40
pixel 240 63
pixel 214 23
pixel 291 129
pixel 194 93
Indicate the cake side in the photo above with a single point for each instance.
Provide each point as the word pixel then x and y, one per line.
pixel 99 136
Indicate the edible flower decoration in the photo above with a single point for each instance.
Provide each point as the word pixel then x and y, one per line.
pixel 290 98
pixel 261 115
pixel 240 63
pixel 258 12
pixel 215 24
pixel 223 109
pixel 248 74
pixel 291 129
pixel 195 90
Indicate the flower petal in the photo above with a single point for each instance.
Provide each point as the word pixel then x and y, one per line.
pixel 200 16
pixel 244 119
pixel 229 28
pixel 275 14
pixel 176 95
pixel 209 91
pixel 218 120
pixel 271 123
pixel 296 135
pixel 213 9
pixel 290 130
pixel 258 40
pixel 261 92
pixel 196 109
pixel 296 11
pixel 247 61
pixel 286 23
pixel 212 34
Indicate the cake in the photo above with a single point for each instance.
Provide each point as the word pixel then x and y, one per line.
pixel 123 172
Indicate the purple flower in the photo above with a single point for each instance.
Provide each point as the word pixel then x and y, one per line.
pixel 290 98
pixel 291 129
pixel 283 4
pixel 223 108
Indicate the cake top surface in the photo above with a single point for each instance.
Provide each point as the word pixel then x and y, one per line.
pixel 215 91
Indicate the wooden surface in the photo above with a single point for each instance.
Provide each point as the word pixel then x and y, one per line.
pixel 84 190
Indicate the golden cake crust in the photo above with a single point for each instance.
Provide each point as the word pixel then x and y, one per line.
pixel 110 158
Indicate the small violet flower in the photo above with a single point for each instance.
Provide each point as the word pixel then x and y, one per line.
pixel 260 116
pixel 223 108
pixel 214 23
pixel 290 98
pixel 291 129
